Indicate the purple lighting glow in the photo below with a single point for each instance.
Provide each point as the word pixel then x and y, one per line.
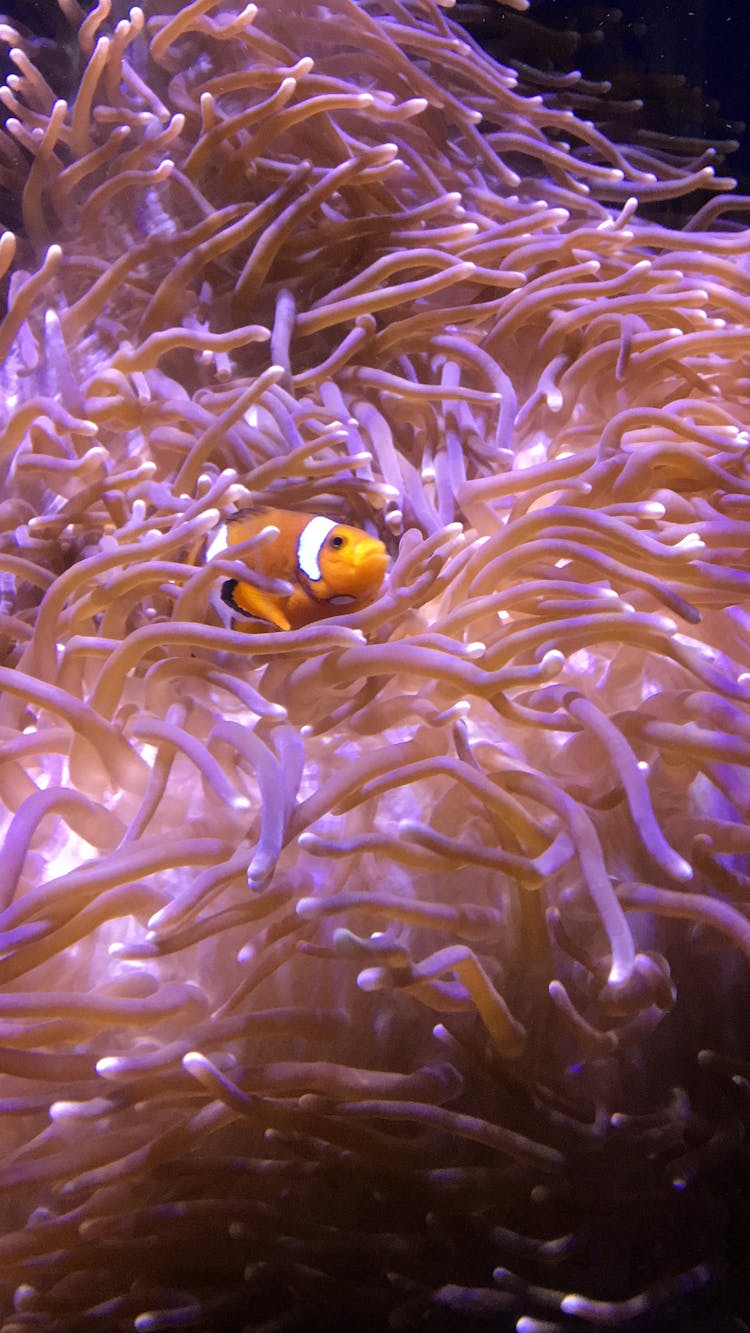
pixel 390 973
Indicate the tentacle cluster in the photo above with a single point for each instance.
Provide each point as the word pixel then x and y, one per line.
pixel 396 967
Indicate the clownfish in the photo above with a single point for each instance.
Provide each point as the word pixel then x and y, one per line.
pixel 332 567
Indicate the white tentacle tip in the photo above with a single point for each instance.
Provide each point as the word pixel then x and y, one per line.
pixel 109 1066
pixel 259 873
pixel 553 660
pixel 682 869
pixel 371 978
pixel 194 1062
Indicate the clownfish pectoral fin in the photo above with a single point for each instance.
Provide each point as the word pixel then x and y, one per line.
pixel 249 601
pixel 227 596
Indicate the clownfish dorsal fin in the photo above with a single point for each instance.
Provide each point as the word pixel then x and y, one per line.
pixel 250 511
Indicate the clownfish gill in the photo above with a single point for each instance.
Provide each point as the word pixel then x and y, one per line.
pixel 329 566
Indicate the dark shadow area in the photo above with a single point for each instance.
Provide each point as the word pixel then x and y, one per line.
pixel 685 62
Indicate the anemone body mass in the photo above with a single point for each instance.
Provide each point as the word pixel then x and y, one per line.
pixel 390 972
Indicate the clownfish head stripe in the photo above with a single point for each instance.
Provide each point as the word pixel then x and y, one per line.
pixel 310 545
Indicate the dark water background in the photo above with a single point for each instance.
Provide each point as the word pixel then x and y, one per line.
pixel 688 60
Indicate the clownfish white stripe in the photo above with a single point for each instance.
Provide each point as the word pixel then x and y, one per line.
pixel 218 543
pixel 309 546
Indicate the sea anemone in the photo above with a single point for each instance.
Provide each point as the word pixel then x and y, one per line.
pixel 391 972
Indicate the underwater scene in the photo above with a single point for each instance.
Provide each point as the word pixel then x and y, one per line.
pixel 374 666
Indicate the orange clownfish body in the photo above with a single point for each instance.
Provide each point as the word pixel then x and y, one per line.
pixel 332 568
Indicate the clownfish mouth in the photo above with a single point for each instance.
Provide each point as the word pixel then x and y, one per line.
pixel 371 559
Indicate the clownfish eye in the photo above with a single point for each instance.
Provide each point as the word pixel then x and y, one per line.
pixel 337 543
